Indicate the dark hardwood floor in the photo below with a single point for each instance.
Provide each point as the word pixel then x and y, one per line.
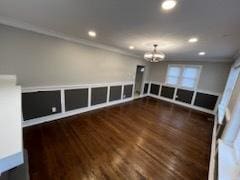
pixel 143 139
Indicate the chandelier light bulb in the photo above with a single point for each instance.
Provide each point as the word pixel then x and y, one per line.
pixel 154 56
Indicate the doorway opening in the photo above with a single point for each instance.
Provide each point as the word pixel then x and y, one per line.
pixel 139 81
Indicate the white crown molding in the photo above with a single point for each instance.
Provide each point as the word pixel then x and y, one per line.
pixel 29 27
pixel 211 60
pixel 48 32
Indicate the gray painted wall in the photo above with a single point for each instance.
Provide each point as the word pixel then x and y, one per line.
pixel 213 76
pixel 40 60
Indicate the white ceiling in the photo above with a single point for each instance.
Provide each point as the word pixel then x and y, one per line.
pixel 120 23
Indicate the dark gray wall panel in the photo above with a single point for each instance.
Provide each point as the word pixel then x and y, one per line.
pixel 167 92
pixel 76 98
pixel 99 95
pixel 184 96
pixel 154 89
pixel 145 91
pixel 206 100
pixel 39 104
pixel 115 93
pixel 127 92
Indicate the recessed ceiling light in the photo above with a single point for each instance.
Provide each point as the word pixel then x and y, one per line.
pixel 92 33
pixel 131 47
pixel 193 40
pixel 169 4
pixel 202 53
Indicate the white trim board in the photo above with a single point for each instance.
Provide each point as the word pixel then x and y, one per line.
pixel 71 113
pixel 65 113
pixel 193 99
pixel 73 86
pixel 183 104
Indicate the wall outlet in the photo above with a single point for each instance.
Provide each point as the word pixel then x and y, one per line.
pixel 54 109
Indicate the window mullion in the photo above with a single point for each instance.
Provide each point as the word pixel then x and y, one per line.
pixel 180 78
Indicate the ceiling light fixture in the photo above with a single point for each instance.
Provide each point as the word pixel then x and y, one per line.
pixel 92 33
pixel 202 53
pixel 193 40
pixel 131 47
pixel 154 56
pixel 169 4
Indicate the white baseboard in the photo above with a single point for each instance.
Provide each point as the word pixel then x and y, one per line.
pixel 65 113
pixel 183 104
pixel 61 115
pixel 71 113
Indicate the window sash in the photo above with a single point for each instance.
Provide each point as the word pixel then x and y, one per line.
pixel 183 78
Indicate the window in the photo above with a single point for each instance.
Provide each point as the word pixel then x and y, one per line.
pixel 186 76
pixel 228 95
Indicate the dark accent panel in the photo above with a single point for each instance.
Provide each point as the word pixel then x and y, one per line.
pixel 206 100
pixel 115 93
pixel 99 95
pixel 76 98
pixel 39 104
pixel 167 92
pixel 154 89
pixel 145 91
pixel 184 96
pixel 127 92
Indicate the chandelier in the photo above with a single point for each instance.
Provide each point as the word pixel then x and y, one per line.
pixel 154 56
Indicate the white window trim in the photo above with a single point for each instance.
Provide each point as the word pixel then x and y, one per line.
pixel 182 66
pixel 231 82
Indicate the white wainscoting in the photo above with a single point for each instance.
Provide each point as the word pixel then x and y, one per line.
pixel 192 106
pixel 65 113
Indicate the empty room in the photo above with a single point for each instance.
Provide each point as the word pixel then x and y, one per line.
pixel 120 90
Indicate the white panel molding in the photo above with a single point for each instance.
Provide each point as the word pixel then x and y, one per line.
pixel 63 101
pixel 89 96
pixel 30 27
pixel 108 93
pixel 64 113
pixel 183 104
pixel 73 86
pixel 70 113
pixel 213 112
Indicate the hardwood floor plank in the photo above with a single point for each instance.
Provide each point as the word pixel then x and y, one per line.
pixel 143 139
